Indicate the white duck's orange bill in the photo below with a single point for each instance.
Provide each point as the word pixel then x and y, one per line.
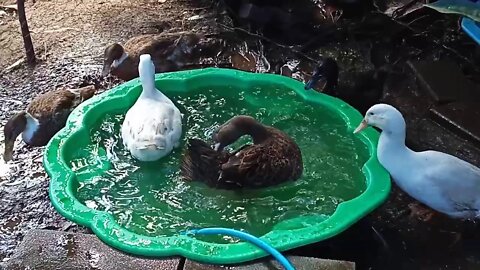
pixel 363 125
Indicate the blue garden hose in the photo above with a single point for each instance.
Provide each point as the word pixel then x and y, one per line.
pixel 247 237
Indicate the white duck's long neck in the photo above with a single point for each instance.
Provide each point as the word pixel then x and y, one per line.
pixel 146 71
pixel 392 152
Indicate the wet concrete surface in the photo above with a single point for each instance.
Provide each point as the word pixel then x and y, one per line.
pixel 390 238
pixel 46 250
pixel 453 117
pixel 444 81
pixel 398 240
pixel 455 99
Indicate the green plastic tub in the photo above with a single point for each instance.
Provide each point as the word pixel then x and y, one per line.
pixel 74 162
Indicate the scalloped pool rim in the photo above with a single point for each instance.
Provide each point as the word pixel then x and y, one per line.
pixel 106 228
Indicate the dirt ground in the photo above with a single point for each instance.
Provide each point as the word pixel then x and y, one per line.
pixel 80 30
pixel 69 39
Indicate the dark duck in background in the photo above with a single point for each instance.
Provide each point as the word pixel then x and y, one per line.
pixel 169 53
pixel 359 89
pixel 273 158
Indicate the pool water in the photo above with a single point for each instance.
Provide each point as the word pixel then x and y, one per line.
pixel 151 199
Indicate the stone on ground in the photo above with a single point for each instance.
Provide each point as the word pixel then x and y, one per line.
pixel 300 263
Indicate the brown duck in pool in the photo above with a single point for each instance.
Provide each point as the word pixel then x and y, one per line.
pixel 273 158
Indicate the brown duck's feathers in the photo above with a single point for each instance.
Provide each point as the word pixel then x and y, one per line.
pixel 51 110
pixel 51 103
pixel 202 162
pixel 157 45
pixel 168 52
pixel 274 161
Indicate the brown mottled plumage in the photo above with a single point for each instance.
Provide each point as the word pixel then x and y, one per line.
pixel 168 52
pixel 273 158
pixel 44 117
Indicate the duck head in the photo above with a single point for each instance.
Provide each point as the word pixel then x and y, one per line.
pixel 235 128
pixel 113 56
pixel 326 75
pixel 14 127
pixel 385 117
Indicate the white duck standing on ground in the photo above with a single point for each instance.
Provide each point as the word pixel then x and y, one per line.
pixel 153 125
pixel 441 181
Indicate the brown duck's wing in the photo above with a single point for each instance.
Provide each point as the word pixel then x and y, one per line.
pixel 138 42
pixel 289 157
pixel 50 104
pixel 155 45
pixel 201 163
pixel 247 168
pixel 82 94
pixel 51 110
pixel 161 45
pixel 168 52
pixel 264 165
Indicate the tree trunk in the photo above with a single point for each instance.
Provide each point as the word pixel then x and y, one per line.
pixel 27 39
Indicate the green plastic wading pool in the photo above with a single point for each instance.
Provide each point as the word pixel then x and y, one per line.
pixel 131 209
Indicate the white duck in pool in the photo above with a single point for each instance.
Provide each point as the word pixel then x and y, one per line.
pixel 153 125
pixel 441 181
